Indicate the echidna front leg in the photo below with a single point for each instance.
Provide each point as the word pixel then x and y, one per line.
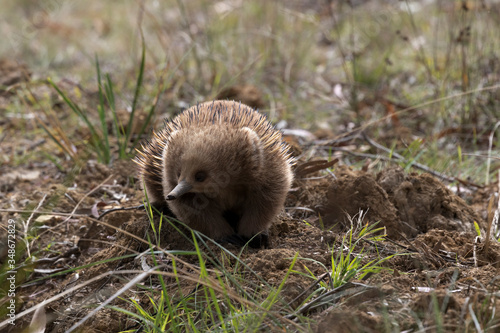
pixel 257 217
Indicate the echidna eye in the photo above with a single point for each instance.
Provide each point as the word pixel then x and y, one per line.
pixel 200 176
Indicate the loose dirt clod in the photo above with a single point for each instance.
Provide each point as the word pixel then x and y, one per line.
pixel 406 204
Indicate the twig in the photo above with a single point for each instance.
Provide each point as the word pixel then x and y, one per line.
pixel 26 225
pixel 309 288
pixel 365 155
pixel 350 288
pixel 401 158
pixel 118 209
pixel 313 166
pixel 300 208
pixel 86 195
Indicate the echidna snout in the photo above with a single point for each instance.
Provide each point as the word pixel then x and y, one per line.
pixel 182 188
pixel 188 180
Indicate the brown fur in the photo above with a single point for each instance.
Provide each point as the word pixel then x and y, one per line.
pixel 245 167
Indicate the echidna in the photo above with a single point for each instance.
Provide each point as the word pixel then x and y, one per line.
pixel 221 168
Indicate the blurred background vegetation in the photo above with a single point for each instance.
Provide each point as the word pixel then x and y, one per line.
pixel 419 76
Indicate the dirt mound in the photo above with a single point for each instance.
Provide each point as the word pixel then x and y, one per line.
pixel 353 192
pixel 456 245
pixel 406 204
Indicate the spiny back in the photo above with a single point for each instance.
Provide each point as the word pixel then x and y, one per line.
pixel 234 114
pixel 223 113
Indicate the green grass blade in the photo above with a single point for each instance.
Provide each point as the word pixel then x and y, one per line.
pixel 137 90
pixel 101 110
pixel 152 109
pixel 76 109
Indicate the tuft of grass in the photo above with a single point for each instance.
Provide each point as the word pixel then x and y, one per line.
pixel 215 295
pixel 218 302
pixel 347 264
pixel 100 135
